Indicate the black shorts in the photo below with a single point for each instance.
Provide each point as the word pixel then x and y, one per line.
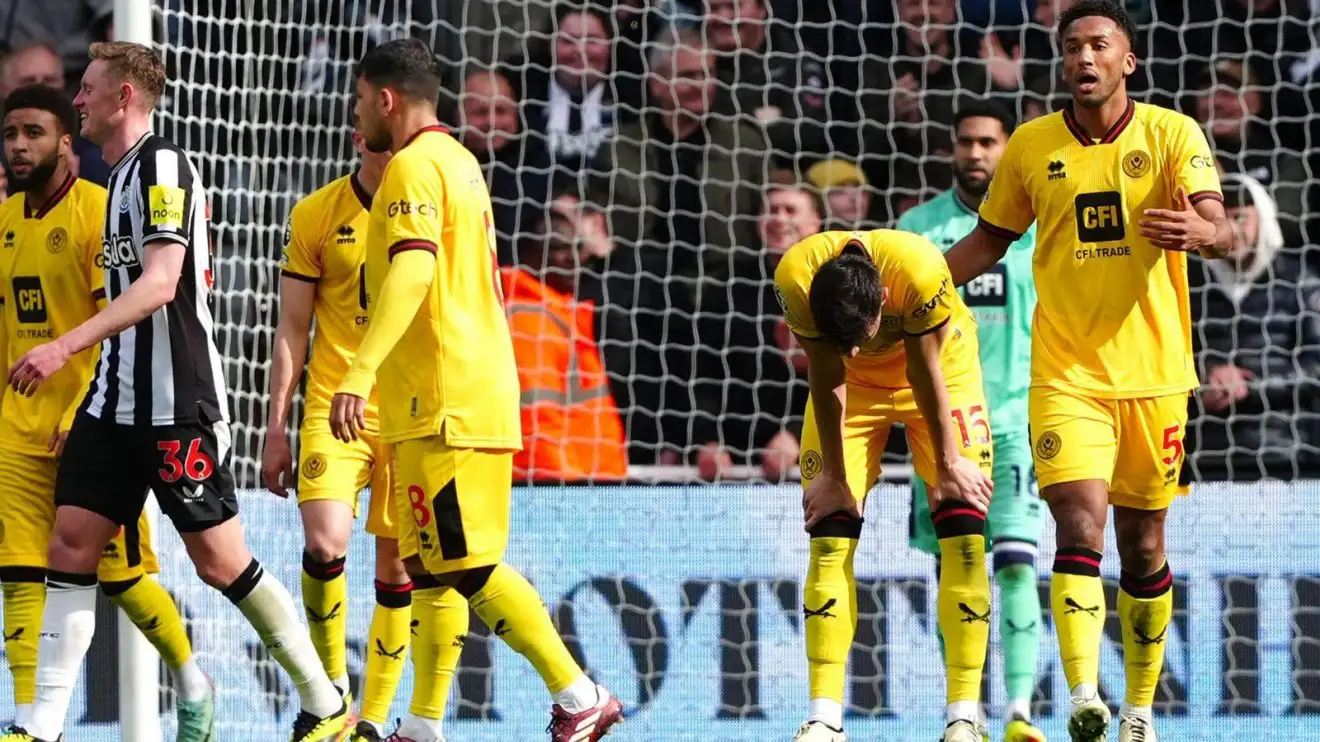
pixel 108 468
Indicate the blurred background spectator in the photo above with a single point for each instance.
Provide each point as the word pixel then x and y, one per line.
pixel 1258 350
pixel 73 24
pixel 847 194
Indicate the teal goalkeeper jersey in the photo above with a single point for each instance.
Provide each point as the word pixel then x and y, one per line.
pixel 1003 301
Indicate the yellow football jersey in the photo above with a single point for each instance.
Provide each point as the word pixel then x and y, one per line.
pixel 1114 317
pixel 51 281
pixel 325 243
pixel 920 298
pixel 452 373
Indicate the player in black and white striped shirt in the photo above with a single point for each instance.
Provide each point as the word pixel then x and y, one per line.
pixel 155 416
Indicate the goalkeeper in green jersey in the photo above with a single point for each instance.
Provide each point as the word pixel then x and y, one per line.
pixel 1003 300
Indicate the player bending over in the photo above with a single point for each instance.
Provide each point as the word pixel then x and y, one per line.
pixel 439 353
pixel 322 277
pixel 156 415
pixel 51 281
pixel 1002 303
pixel 888 340
pixel 1120 191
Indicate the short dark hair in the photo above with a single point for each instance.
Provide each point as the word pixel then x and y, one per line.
pixel 43 98
pixel 991 108
pixel 408 66
pixel 1110 9
pixel 845 297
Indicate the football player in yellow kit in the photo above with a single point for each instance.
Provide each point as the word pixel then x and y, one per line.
pixel 888 340
pixel 322 273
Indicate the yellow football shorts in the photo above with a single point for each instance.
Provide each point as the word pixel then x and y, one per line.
pixel 1135 446
pixel 27 489
pixel 870 413
pixel 330 469
pixel 452 504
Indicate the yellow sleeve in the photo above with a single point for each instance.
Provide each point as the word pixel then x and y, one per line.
pixel 406 284
pixel 1191 161
pixel 413 195
pixel 1006 211
pixel 301 258
pixel 792 287
pixel 927 302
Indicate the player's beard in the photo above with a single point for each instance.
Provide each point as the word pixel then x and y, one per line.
pixel 377 142
pixel 38 177
pixel 975 187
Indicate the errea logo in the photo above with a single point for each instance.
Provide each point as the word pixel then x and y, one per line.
pixel 403 207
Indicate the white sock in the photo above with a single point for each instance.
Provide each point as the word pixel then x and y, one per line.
pixel 1018 708
pixel 67 625
pixel 1085 691
pixel 827 711
pixel 963 711
pixel 190 682
pixel 580 695
pixel 270 610
pixel 1141 712
pixel 421 729
pixel 341 684
pixel 21 713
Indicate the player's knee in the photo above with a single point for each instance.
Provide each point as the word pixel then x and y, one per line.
pixel 1141 551
pixel 389 568
pixel 1078 527
pixel 219 571
pixel 839 525
pixel 324 552
pixel 70 551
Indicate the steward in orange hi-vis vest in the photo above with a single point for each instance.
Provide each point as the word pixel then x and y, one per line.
pixel 571 427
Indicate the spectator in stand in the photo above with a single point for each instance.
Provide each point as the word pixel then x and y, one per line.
pixel 764 391
pixel 911 89
pixel 1228 101
pixel 38 63
pixel 569 95
pixel 73 24
pixel 770 79
pixel 1258 350
pixel 572 431
pixel 846 192
pixel 517 167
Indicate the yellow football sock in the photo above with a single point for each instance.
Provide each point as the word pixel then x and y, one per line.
pixel 150 608
pixel 442 627
pixel 24 599
pixel 1145 608
pixel 509 605
pixel 387 643
pixel 325 600
pixel 1077 600
pixel 963 604
pixel 829 610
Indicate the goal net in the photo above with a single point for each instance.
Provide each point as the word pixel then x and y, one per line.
pixel 685 598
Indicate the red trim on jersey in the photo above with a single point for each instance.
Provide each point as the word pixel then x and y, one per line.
pixel 1079 132
pixel 51 202
pixel 298 276
pixel 1200 196
pixel 363 197
pixel 423 130
pixel 998 231
pixel 406 245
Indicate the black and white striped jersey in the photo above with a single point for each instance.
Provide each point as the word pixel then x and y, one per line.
pixel 166 369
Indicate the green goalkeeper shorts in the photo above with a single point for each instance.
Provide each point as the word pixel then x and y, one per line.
pixel 1016 510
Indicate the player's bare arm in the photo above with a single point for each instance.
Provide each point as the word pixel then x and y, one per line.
pixel 958 477
pixel 975 254
pixel 1202 227
pixel 163 264
pixel 401 295
pixel 828 493
pixel 292 337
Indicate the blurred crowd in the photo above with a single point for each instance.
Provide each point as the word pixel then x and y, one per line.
pixel 649 162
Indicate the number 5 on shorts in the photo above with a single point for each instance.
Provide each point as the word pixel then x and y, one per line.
pixel 196 464
pixel 1172 442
